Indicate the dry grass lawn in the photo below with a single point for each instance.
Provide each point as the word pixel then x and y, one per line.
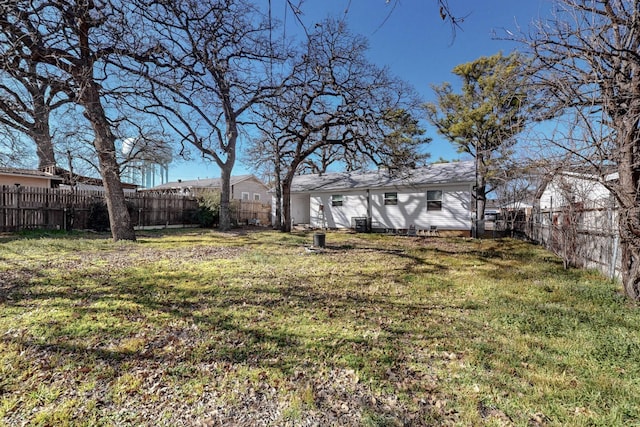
pixel 251 328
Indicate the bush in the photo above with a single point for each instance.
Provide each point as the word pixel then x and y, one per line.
pixel 208 212
pixel 98 216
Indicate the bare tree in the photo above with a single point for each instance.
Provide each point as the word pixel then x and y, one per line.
pixel 335 99
pixel 69 38
pixel 14 150
pixel 206 63
pixel 567 222
pixel 27 99
pixel 328 155
pixel 444 11
pixel 72 138
pixel 515 183
pixel 588 69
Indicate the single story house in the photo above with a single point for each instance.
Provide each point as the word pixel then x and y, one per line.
pixel 243 187
pixel 567 187
pixel 72 180
pixel 29 178
pixel 577 198
pixel 434 197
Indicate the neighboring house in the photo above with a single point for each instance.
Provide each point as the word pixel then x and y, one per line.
pixel 243 187
pixel 438 195
pixel 29 178
pixel 491 210
pixel 53 177
pixel 72 180
pixel 126 187
pixel 577 199
pixel 576 216
pixel 566 188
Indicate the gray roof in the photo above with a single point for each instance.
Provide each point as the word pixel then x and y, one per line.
pixel 29 172
pixel 201 183
pixel 437 173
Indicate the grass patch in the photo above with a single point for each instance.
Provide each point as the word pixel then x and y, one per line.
pixel 206 327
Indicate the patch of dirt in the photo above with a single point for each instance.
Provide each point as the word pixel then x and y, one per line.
pixel 126 256
pixel 333 398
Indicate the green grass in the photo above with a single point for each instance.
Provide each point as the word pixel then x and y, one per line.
pixel 199 326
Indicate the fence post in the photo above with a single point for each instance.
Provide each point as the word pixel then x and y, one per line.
pixel 614 256
pixel 74 207
pixel 18 213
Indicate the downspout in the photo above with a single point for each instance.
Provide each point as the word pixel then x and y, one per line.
pixel 473 209
pixel 369 221
pixel 474 230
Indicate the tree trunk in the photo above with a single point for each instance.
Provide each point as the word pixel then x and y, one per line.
pixel 278 221
pixel 630 269
pixel 44 150
pixel 225 197
pixel 481 182
pixel 629 228
pixel 104 143
pixel 479 195
pixel 629 225
pixel 286 204
pixel 482 199
pixel 42 133
pixel 629 203
pixel 230 149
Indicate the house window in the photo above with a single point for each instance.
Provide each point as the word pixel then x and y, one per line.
pixel 256 197
pixel 434 200
pixel 336 200
pixel 245 195
pixel 390 198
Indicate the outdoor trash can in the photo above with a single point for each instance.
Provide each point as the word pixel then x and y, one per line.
pixel 318 240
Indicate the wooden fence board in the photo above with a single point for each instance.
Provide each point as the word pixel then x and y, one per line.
pixel 28 208
pixel 251 212
pixel 594 239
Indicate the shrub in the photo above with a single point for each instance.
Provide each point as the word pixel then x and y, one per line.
pixel 208 212
pixel 98 216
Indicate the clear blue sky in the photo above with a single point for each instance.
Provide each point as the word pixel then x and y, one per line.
pixel 414 43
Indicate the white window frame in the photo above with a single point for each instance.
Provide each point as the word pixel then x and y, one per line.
pixel 337 200
pixel 391 198
pixel 245 195
pixel 434 203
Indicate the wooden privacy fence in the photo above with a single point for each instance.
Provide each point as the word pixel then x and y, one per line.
pixel 251 212
pixel 599 250
pixel 587 237
pixel 47 208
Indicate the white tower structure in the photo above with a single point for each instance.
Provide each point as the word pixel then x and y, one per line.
pixel 146 162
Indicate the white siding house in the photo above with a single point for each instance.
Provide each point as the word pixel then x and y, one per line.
pixel 438 195
pixel 574 186
pixel 579 199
